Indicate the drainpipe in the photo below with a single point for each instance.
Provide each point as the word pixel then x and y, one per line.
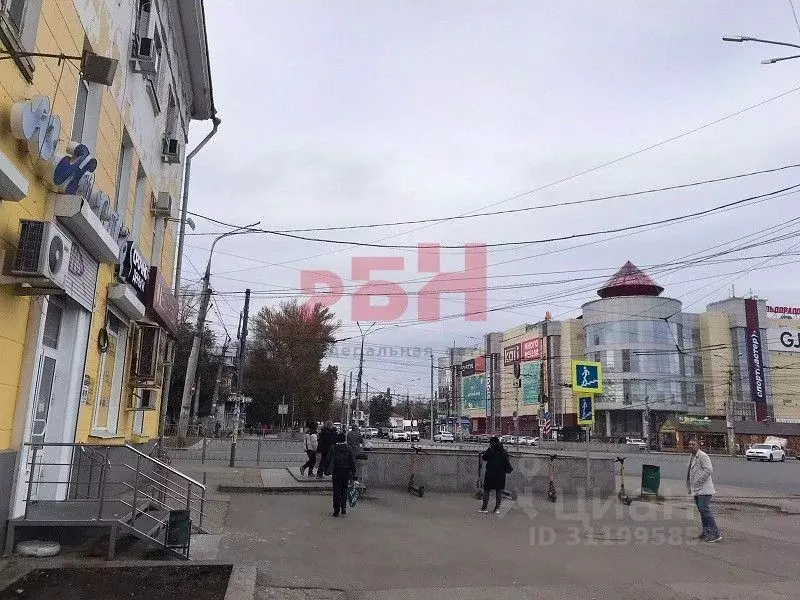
pixel 181 238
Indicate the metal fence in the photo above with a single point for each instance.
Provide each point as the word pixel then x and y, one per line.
pixel 264 452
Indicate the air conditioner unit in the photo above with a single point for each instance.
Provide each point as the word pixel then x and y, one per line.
pixel 171 151
pixel 43 252
pixel 143 55
pixel 162 204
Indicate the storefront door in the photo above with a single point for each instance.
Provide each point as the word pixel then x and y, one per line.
pixel 109 389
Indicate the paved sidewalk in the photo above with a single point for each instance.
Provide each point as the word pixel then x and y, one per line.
pixel 394 545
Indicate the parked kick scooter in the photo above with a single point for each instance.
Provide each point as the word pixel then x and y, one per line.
pixel 419 490
pixel 622 494
pixel 551 490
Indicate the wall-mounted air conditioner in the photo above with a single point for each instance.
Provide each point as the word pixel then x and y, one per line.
pixel 171 150
pixel 162 204
pixel 143 55
pixel 42 254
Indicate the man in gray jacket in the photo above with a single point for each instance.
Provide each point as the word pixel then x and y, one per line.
pixel 701 486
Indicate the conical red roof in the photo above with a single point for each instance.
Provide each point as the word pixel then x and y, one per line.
pixel 630 281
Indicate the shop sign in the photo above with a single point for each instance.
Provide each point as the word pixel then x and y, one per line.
pixel 71 173
pixel 783 339
pixel 783 311
pixel 134 269
pixel 160 300
pixel 532 349
pixel 468 368
pixel 511 354
pixel 755 357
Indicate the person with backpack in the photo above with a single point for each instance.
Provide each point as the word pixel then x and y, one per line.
pixel 343 469
pixel 310 442
pixel 498 466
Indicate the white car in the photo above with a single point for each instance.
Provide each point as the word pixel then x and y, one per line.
pixel 529 441
pixel 637 442
pixel 444 436
pixel 398 435
pixel 768 452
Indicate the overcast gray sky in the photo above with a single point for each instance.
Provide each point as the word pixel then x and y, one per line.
pixel 345 112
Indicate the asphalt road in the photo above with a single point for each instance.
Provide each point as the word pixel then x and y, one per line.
pixel 783 479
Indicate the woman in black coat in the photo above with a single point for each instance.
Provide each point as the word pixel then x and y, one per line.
pixel 494 478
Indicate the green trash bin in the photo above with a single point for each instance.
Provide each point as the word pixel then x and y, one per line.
pixel 651 479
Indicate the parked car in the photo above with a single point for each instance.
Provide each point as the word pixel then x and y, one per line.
pixel 398 434
pixel 768 452
pixel 529 441
pixel 371 432
pixel 413 435
pixel 444 436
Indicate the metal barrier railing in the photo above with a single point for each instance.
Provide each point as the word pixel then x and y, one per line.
pixel 95 487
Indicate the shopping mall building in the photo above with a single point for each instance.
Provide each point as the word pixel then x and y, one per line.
pixel 740 355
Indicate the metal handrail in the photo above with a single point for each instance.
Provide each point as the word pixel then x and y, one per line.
pixel 166 466
pixel 164 487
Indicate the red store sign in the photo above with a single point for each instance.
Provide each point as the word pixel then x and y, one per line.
pixel 532 349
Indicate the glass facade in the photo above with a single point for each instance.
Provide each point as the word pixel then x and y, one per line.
pixel 648 362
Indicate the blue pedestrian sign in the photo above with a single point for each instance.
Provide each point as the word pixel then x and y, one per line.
pixel 586 410
pixel 587 377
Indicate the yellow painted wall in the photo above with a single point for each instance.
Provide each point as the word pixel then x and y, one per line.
pixel 60 31
pixel 715 331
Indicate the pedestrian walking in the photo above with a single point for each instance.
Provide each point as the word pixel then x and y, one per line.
pixel 355 441
pixel 327 438
pixel 498 466
pixel 343 468
pixel 310 441
pixel 701 486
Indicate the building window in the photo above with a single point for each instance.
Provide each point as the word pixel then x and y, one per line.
pixel 19 24
pixel 124 173
pixel 138 207
pixel 86 123
pixel 109 384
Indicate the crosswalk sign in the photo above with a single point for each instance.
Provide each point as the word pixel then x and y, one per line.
pixel 587 377
pixel 586 410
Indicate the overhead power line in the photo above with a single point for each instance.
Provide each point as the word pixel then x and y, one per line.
pixel 537 241
pixel 508 211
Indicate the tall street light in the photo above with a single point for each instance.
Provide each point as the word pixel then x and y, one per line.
pixel 194 355
pixel 360 370
pixel 768 61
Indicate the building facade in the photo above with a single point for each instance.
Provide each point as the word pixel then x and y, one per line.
pixel 739 360
pixel 91 168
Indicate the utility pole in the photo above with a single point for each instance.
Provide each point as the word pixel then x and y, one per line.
pixel 648 434
pixel 361 363
pixel 364 403
pixel 731 434
pixel 218 380
pixel 346 411
pixel 240 391
pixel 408 404
pixel 196 401
pixel 194 354
pixel 432 399
pixel 344 395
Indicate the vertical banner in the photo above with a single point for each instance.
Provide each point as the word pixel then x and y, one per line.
pixel 489 384
pixel 531 372
pixel 755 358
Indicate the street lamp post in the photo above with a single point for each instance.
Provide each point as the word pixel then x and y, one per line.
pixel 194 355
pixel 768 61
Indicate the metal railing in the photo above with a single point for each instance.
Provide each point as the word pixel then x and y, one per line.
pixel 110 484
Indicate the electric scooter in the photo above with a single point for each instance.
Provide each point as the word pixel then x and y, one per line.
pixel 622 494
pixel 551 489
pixel 419 490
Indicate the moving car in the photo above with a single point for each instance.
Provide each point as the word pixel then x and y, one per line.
pixel 413 435
pixel 529 441
pixel 371 432
pixel 768 452
pixel 444 436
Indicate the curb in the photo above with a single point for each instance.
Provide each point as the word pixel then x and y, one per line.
pixel 260 489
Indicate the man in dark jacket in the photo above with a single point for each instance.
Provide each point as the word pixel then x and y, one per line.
pixel 355 441
pixel 494 478
pixel 344 467
pixel 326 440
